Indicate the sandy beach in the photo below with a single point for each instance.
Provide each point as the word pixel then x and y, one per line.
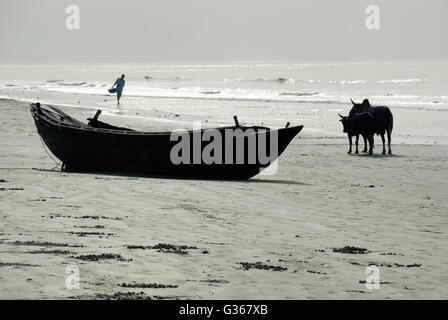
pixel 272 237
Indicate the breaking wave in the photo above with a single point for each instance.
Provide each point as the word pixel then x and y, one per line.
pixel 72 84
pixel 402 81
pixel 304 94
pixel 279 80
pixel 210 92
pixel 170 79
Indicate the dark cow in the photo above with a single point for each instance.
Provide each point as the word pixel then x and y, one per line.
pixel 384 120
pixel 359 124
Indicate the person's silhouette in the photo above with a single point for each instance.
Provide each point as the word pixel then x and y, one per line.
pixel 120 83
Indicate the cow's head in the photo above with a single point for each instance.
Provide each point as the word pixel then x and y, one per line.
pixel 344 121
pixel 353 112
pixel 360 106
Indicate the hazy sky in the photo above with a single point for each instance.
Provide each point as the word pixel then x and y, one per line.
pixel 122 31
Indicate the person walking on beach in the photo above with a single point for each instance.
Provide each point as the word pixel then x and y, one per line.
pixel 120 83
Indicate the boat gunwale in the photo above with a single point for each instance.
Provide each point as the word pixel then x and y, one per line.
pixel 39 116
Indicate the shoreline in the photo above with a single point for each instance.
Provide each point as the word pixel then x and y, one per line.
pixel 175 121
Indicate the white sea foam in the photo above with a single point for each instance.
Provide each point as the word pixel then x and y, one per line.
pixel 402 81
pixel 72 84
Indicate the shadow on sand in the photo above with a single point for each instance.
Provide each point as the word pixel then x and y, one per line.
pixel 114 175
pixel 377 155
pixel 273 181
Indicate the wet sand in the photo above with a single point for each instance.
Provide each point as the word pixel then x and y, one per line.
pixel 307 232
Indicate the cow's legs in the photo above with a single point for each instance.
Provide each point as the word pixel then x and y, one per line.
pixel 356 143
pixel 350 142
pixel 388 141
pixel 384 147
pixel 365 144
pixel 370 144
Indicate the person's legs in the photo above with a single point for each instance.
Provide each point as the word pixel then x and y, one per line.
pixel 118 96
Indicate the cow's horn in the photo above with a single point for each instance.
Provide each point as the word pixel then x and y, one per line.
pixel 341 116
pixel 352 101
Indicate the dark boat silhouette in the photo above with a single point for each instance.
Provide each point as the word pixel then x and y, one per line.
pixel 101 147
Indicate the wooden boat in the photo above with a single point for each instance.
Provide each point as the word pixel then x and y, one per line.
pixel 101 147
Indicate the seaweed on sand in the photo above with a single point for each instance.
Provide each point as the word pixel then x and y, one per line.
pixel 351 250
pixel 261 266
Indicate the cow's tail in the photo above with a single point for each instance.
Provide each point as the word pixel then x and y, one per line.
pixel 390 126
pixel 391 122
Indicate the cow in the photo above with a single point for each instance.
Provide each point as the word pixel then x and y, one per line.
pixel 384 120
pixel 359 124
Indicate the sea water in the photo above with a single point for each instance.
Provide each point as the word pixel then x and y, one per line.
pixel 260 93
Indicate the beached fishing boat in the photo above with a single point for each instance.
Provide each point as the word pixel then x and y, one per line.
pixel 101 147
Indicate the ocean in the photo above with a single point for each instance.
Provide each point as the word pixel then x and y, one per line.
pixel 268 93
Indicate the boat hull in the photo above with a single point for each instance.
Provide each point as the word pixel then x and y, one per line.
pixel 89 149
